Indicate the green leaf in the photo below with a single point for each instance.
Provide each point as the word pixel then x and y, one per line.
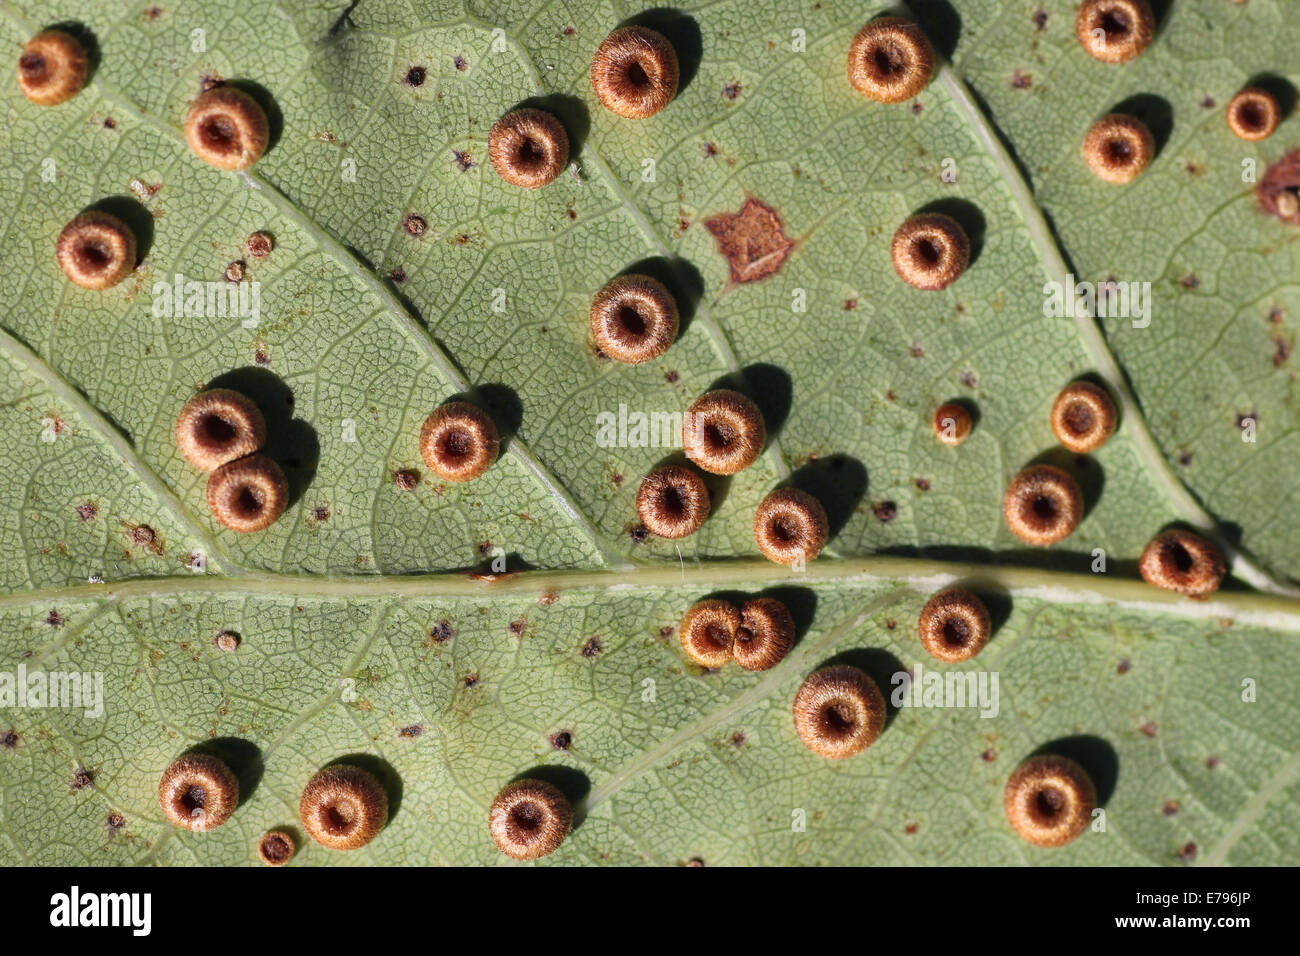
pixel 361 630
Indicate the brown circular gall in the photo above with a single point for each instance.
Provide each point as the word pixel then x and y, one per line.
pixel 1118 148
pixel 528 148
pixel 708 632
pixel 954 625
pixel 634 72
pixel 276 848
pixel 1114 31
pixel 96 250
pixel 790 526
pixel 52 68
pixel 198 792
pixel 1049 800
pixel 227 128
pixel 1178 560
pixel 634 319
pixel 248 494
pixel 459 441
pixel 1253 114
pixel 672 502
pixel 838 712
pixel 529 819
pixel 218 426
pixel 1043 505
pixel 723 432
pixel 1083 417
pixel 890 60
pixel 952 423
pixel 765 636
pixel 930 251
pixel 343 807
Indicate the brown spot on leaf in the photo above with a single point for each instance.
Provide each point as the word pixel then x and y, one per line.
pixel 885 511
pixel 1123 667
pixel 415 730
pixel 1040 19
pixel 470 679
pixel 82 778
pixel 639 534
pixel 115 822
pixel 442 632
pixel 517 627
pixel 731 91
pixel 1190 281
pixel 54 619
pixel 850 305
pixel 406 478
pixel 398 275
pixel 671 376
pixel 989 755
pixel 1212 762
pixel 547 598
pixel 415 225
pixel 9 740
pixel 592 648
pixel 912 829
pixel 923 484
pixel 464 163
pixel 969 379
pixel 414 76
pixel 753 240
pixel 1188 852
pixel 1171 808
pixel 916 350
pixel 1278 192
pixel 1149 728
pixel 1020 80
pixel 460 63
pixel 259 245
pixel 320 514
pixel 87 511
pixel 562 739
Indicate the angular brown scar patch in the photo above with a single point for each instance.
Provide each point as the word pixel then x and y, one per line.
pixel 753 240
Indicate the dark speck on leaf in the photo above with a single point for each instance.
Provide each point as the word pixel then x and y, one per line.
pixel 406 478
pixel 922 484
pixel 55 619
pixel 562 740
pixel 1021 80
pixel 1149 728
pixel 115 822
pixel 1040 19
pixel 1123 667
pixel 731 91
pixel 442 632
pixel 470 680
pixel 463 161
pixel 415 76
pixel 517 627
pixel 1188 852
pixel 87 511
pixel 9 739
pixel 398 275
pixel 639 534
pixel 969 379
pixel 82 778
pixel 460 63
pixel 885 511
pixel 592 648
pixel 415 730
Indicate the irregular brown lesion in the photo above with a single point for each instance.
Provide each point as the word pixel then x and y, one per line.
pixel 1278 192
pixel 753 240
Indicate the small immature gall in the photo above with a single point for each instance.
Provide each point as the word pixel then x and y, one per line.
pixel 723 432
pixel 1253 114
pixel 672 502
pixel 96 250
pixel 1083 417
pixel 708 632
pixel 248 494
pixel 227 128
pixel 276 848
pixel 1049 800
pixel 198 792
pixel 1114 31
pixel 634 72
pixel 343 807
pixel 930 251
pixel 529 819
pixel 954 625
pixel 1118 148
pixel 790 526
pixel 765 636
pixel 1043 505
pixel 952 423
pixel 528 148
pixel 1180 561
pixel 891 60
pixel 259 244
pixel 218 426
pixel 634 319
pixel 52 68
pixel 459 441
pixel 227 641
pixel 838 712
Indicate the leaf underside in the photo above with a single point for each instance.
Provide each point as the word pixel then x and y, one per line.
pixel 362 632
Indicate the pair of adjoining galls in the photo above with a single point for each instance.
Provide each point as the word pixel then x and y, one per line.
pixel 344 807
